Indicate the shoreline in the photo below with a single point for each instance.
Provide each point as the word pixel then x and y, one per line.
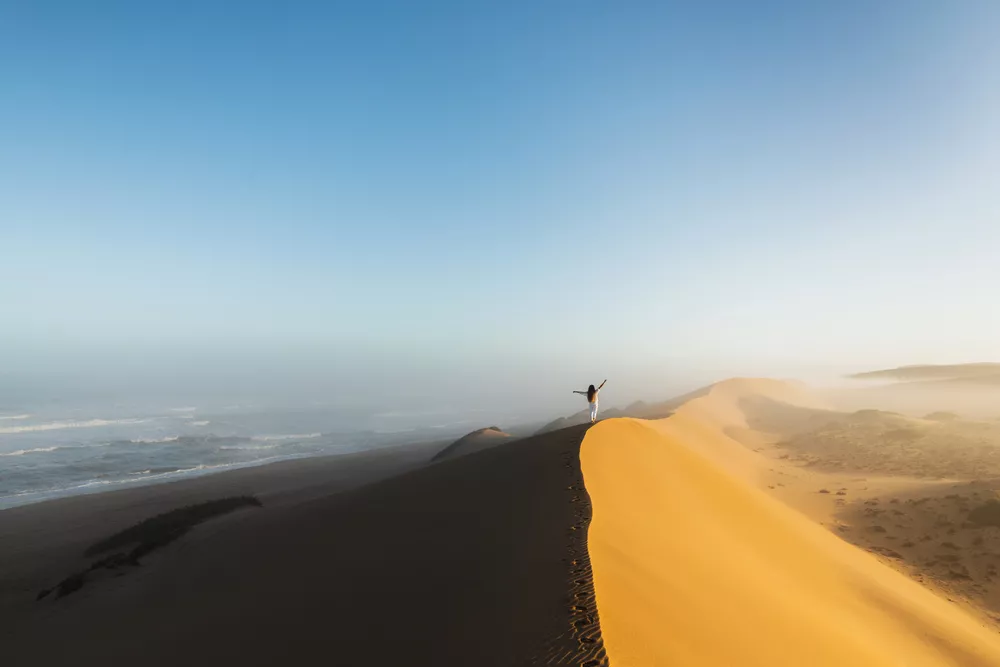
pixel 95 487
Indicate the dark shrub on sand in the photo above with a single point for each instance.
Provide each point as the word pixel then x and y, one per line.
pixel 987 514
pixel 167 527
pixel 147 536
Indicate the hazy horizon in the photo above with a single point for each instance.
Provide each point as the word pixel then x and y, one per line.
pixel 488 207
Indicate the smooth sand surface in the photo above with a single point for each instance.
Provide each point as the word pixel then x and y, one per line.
pixel 480 560
pixel 696 563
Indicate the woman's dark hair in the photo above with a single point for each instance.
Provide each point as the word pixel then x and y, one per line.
pixel 591 390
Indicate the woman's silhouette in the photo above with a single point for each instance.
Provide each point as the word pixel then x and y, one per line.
pixel 591 395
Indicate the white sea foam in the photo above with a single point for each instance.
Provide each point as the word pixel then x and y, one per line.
pixel 250 447
pixel 91 486
pixel 21 452
pixel 204 423
pixel 12 417
pixel 269 438
pixel 153 441
pixel 56 426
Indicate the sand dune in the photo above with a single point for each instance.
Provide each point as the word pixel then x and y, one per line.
pixel 695 565
pixel 970 390
pixel 978 372
pixel 736 531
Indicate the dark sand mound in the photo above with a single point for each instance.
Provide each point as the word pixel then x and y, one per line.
pixel 479 560
pixel 476 441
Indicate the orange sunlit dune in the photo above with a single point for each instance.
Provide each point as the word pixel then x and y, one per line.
pixel 694 565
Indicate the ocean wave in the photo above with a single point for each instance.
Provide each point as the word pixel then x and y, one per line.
pixel 132 478
pixel 251 447
pixel 22 452
pixel 112 482
pixel 153 441
pixel 270 438
pixel 162 470
pixel 55 426
pixel 202 423
pixel 13 417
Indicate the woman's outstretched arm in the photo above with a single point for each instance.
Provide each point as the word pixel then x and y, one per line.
pixel 602 384
pixel 580 392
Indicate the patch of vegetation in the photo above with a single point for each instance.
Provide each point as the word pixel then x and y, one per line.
pixel 987 514
pixel 885 551
pixel 147 536
pixel 901 435
pixel 163 529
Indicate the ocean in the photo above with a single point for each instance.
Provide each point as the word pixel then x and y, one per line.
pixel 55 453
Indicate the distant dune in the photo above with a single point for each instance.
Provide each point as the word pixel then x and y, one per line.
pixel 983 373
pixel 476 441
pixel 695 565
pixel 969 390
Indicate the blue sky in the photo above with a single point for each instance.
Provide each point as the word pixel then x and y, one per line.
pixel 565 189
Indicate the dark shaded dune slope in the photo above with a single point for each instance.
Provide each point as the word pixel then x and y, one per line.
pixel 479 560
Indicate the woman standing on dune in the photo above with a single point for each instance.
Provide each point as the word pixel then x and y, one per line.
pixel 591 395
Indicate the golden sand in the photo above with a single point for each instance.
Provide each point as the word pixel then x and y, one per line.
pixel 695 565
